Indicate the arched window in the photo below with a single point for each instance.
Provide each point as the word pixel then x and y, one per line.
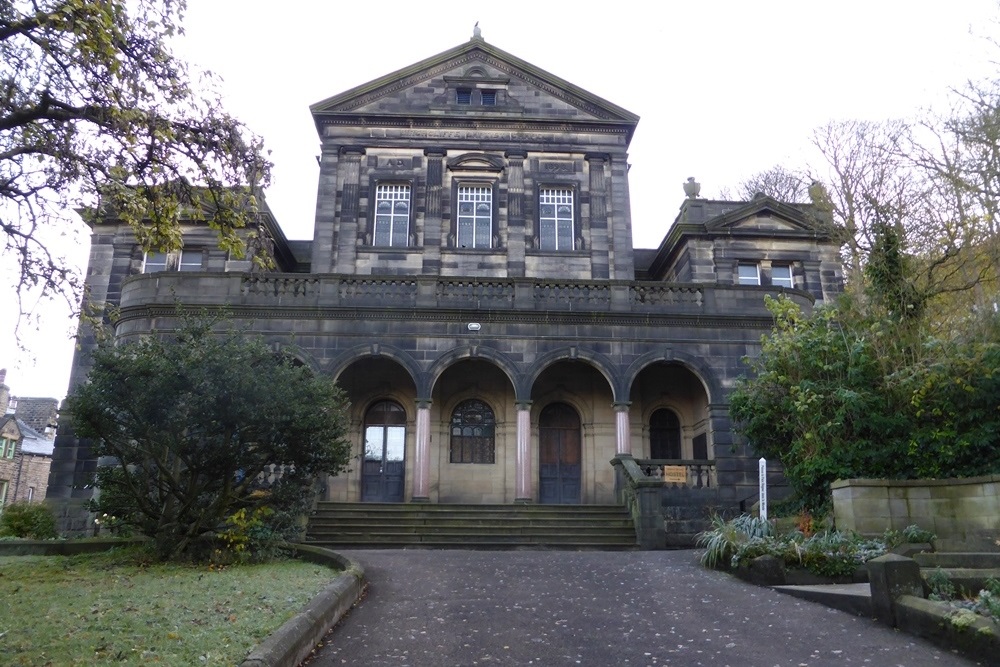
pixel 664 435
pixel 472 433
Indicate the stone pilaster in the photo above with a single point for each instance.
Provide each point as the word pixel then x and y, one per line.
pixel 522 463
pixel 349 230
pixel 422 455
pixel 434 230
pixel 597 221
pixel 623 430
pixel 516 226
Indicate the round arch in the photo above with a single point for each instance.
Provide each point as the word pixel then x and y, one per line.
pixel 599 362
pixel 704 374
pixel 468 352
pixel 348 357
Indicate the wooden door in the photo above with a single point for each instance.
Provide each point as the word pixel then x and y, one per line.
pixel 559 455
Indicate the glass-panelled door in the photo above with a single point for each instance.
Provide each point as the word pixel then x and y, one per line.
pixel 384 469
pixel 559 455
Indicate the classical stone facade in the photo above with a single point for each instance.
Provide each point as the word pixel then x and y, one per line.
pixel 472 285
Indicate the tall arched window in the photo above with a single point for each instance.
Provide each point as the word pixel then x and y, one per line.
pixel 664 435
pixel 472 433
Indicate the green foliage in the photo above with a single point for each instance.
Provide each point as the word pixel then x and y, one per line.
pixel 724 538
pixel 940 586
pixel 33 521
pixel 848 392
pixel 192 420
pixel 98 113
pixel 827 554
pixel 914 534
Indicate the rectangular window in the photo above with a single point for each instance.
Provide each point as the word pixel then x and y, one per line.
pixel 155 261
pixel 7 447
pixel 190 260
pixel 489 98
pixel 465 96
pixel 3 493
pixel 475 216
pixel 392 215
pixel 748 274
pixel 555 219
pixel 31 493
pixel 781 275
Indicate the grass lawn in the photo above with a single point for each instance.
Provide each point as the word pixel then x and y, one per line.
pixel 119 608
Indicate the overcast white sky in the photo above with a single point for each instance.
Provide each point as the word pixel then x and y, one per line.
pixel 724 89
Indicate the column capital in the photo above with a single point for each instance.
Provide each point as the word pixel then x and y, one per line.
pixel 621 406
pixel 523 405
pixel 423 403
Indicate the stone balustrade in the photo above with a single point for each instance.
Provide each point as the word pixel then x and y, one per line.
pixel 490 294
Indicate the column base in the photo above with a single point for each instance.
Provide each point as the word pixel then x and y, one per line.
pixel 524 501
pixel 420 499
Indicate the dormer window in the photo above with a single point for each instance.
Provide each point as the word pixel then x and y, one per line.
pixel 489 98
pixel 465 96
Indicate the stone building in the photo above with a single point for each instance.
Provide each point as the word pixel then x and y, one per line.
pixel 27 426
pixel 472 285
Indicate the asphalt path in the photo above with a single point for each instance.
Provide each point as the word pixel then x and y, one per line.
pixel 551 608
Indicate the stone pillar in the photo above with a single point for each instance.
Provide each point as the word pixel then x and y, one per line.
pixel 422 455
pixel 522 461
pixel 623 429
pixel 890 577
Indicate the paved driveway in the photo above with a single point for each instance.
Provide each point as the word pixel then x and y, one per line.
pixel 550 608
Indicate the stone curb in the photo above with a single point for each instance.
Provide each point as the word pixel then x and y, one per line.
pixel 287 646
pixel 290 644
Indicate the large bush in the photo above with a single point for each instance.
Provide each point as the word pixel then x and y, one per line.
pixel 33 521
pixel 840 393
pixel 187 424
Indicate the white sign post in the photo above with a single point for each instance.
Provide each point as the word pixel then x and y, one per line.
pixel 762 472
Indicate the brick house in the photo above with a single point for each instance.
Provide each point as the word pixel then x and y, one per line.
pixel 472 285
pixel 26 446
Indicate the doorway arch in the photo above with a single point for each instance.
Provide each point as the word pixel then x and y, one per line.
pixel 559 455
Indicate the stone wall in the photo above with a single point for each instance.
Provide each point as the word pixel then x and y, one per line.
pixel 963 513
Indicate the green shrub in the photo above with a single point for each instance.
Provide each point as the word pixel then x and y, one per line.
pixel 941 587
pixel 915 535
pixel 723 540
pixel 33 521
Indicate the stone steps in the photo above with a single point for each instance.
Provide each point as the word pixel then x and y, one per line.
pixel 398 525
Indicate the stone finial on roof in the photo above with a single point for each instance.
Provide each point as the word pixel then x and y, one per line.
pixel 476 32
pixel 692 188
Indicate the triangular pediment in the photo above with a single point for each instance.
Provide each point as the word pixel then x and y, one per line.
pixel 766 215
pixel 480 81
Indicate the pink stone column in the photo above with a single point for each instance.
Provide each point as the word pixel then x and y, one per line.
pixel 522 461
pixel 422 457
pixel 623 431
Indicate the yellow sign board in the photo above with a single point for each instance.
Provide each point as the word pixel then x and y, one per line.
pixel 675 474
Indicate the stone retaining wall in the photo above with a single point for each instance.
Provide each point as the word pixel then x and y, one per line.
pixel 963 513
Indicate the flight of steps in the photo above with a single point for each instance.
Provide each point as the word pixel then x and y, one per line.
pixel 425 525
